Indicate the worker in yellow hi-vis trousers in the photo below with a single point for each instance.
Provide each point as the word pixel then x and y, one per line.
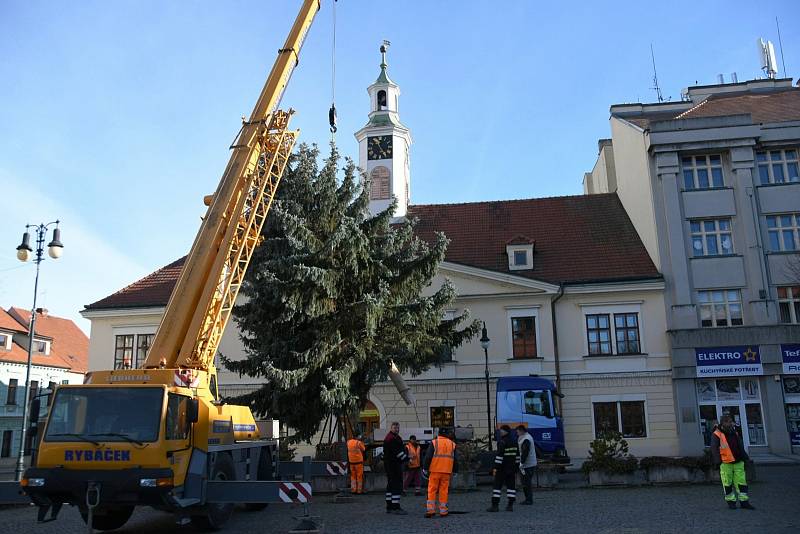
pixel 727 451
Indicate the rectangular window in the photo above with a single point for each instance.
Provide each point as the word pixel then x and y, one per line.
pixel 12 391
pixel 605 418
pixel 143 343
pixel 39 347
pixel 702 172
pixel 520 257
pixel 598 332
pixel 123 352
pixel 720 307
pixel 4 342
pixel 5 450
pixel 784 232
pixel 523 334
pixel 34 390
pixel 777 166
pixel 627 417
pixel 711 237
pixel 626 328
pixel 443 416
pixel 177 424
pixel 789 304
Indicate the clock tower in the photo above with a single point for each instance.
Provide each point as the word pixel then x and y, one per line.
pixel 383 146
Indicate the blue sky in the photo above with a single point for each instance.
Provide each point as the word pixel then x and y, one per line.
pixel 117 116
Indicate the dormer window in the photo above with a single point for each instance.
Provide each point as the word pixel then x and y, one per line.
pixel 381 100
pixel 5 341
pixel 41 347
pixel 520 253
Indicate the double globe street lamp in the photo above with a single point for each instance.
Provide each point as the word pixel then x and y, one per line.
pixel 24 250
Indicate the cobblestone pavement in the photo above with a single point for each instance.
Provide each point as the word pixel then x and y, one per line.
pixel 682 509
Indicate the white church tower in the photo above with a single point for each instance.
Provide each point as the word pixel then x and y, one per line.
pixel 383 145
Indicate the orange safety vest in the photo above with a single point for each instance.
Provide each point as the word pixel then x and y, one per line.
pixel 443 455
pixel 355 451
pixel 413 456
pixel 725 453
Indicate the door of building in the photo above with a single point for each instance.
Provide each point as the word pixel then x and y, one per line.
pixel 738 397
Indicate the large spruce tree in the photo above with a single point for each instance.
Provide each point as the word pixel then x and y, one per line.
pixel 334 295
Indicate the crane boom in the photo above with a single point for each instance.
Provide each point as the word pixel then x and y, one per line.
pixel 201 303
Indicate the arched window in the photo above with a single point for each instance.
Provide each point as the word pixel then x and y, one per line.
pixel 381 100
pixel 379 187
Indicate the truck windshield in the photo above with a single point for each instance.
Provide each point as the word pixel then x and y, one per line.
pixel 105 414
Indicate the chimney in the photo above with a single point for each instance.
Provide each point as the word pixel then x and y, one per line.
pixel 42 311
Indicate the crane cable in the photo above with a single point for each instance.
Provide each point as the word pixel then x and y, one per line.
pixel 332 111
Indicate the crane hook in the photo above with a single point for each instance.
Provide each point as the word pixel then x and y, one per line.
pixel 332 118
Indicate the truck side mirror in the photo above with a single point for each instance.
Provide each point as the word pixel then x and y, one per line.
pixel 192 410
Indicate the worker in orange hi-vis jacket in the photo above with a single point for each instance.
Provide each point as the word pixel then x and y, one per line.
pixel 355 459
pixel 439 464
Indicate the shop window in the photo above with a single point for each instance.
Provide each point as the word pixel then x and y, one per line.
pixel 443 416
pixel 738 397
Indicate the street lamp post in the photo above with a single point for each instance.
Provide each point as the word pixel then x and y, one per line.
pixel 485 344
pixel 23 254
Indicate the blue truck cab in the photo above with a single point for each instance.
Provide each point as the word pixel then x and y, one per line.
pixel 530 401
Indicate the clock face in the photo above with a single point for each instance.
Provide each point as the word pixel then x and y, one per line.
pixel 379 147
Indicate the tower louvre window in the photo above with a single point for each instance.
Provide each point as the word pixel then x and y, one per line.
pixel 381 100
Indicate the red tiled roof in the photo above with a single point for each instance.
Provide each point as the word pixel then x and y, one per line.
pixel 9 324
pixel 69 346
pixel 582 238
pixel 152 290
pixel 586 238
pixel 776 106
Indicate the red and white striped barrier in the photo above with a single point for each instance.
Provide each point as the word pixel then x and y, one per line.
pixel 294 492
pixel 337 468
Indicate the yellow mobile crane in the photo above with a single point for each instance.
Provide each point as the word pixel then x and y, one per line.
pixel 159 435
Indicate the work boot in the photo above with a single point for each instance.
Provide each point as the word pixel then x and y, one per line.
pixel 732 505
pixel 399 511
pixel 493 508
pixel 429 514
pixel 510 506
pixel 746 505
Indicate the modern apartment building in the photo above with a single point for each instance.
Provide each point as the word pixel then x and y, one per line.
pixel 712 186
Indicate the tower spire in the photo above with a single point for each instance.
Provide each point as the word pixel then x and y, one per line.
pixel 384 48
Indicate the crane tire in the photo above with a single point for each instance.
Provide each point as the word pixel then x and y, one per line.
pixel 110 518
pixel 214 516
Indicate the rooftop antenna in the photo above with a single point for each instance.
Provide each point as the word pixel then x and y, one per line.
pixel 655 76
pixel 767 54
pixel 780 44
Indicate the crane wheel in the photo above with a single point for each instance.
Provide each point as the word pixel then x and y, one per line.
pixel 215 515
pixel 263 472
pixel 108 518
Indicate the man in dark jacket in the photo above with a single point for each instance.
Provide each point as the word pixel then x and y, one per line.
pixel 506 463
pixel 394 454
pixel 727 451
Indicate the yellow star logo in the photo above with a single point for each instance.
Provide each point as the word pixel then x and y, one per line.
pixel 749 355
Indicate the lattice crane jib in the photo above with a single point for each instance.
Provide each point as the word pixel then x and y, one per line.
pixel 201 303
